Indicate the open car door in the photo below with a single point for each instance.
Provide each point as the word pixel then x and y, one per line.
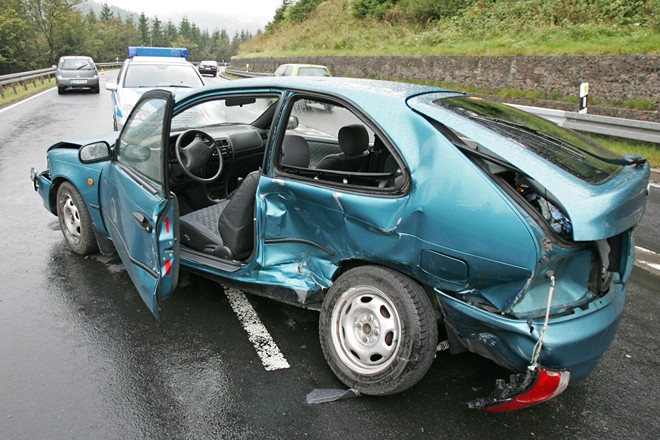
pixel 140 213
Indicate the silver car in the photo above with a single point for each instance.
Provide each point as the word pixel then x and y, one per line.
pixel 77 72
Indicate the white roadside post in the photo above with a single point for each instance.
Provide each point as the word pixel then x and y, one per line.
pixel 584 92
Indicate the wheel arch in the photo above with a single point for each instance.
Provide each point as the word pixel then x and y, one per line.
pixel 347 265
pixel 103 242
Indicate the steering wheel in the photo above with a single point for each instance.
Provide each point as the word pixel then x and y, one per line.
pixel 196 153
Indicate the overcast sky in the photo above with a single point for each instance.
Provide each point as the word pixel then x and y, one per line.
pixel 259 10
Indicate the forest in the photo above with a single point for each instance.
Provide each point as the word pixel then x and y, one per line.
pixel 35 33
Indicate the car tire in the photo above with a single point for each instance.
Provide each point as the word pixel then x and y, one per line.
pixel 377 330
pixel 75 221
pixel 60 90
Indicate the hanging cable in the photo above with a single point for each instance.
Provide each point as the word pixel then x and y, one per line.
pixel 539 344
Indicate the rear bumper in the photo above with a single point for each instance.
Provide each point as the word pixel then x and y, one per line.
pixel 78 83
pixel 572 342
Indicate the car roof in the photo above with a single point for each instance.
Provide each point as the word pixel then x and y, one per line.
pixel 157 60
pixel 304 65
pixel 350 88
pixel 75 57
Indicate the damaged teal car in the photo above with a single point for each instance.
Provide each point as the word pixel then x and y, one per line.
pixel 400 212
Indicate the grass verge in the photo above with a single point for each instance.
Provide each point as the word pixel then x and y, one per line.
pixel 21 92
pixel 648 150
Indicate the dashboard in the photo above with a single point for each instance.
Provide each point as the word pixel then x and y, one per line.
pixel 242 147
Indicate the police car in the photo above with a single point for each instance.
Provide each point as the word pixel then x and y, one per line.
pixel 148 68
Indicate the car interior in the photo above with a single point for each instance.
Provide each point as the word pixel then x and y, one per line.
pixel 215 166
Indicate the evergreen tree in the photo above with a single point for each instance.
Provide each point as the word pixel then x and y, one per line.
pixel 143 27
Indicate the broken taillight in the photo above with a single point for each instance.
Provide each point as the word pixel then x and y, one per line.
pixel 524 390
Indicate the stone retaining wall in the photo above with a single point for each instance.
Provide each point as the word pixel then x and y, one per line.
pixel 611 78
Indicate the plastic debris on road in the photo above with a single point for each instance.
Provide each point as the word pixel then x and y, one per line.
pixel 325 395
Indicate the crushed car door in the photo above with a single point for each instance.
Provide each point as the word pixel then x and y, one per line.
pixel 140 213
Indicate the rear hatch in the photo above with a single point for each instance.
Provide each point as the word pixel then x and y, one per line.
pixel 601 193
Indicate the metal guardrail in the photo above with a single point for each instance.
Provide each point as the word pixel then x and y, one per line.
pixel 607 125
pixel 24 77
pixel 245 73
pixel 13 79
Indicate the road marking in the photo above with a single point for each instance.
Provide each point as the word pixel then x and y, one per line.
pixel 26 100
pixel 647 260
pixel 654 185
pixel 267 350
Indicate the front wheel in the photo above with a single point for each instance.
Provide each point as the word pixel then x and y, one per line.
pixel 377 330
pixel 75 221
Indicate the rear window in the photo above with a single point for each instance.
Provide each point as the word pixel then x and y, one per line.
pixel 77 64
pixel 312 71
pixel 565 148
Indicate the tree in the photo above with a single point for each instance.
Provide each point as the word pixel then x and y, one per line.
pixel 13 32
pixel 143 27
pixel 157 33
pixel 170 34
pixel 106 13
pixel 185 29
pixel 279 14
pixel 50 20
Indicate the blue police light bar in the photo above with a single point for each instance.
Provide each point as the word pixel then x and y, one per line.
pixel 143 51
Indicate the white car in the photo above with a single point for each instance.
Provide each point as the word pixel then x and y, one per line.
pixel 142 73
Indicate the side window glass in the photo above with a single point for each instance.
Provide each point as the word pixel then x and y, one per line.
pixel 140 145
pixel 330 143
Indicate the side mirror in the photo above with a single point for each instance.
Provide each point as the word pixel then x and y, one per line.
pixel 293 123
pixel 94 152
pixel 111 86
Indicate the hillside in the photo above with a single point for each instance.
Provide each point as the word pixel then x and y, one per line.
pixel 460 27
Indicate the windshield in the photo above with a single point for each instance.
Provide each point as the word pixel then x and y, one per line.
pixel 76 64
pixel 567 149
pixel 161 75
pixel 227 111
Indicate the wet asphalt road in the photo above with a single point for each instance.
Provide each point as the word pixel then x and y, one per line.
pixel 81 357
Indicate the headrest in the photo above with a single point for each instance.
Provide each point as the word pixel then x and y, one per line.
pixel 353 139
pixel 295 151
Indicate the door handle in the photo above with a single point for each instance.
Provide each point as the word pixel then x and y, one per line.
pixel 143 221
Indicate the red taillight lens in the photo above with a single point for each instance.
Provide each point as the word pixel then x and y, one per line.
pixel 547 385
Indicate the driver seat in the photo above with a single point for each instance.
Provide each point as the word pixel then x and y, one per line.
pixel 225 229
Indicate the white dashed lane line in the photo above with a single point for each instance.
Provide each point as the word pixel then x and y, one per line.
pixel 647 260
pixel 267 350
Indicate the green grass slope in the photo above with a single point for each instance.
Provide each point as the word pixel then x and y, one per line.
pixel 477 27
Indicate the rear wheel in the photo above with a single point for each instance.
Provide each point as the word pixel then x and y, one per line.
pixel 377 330
pixel 60 90
pixel 75 221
